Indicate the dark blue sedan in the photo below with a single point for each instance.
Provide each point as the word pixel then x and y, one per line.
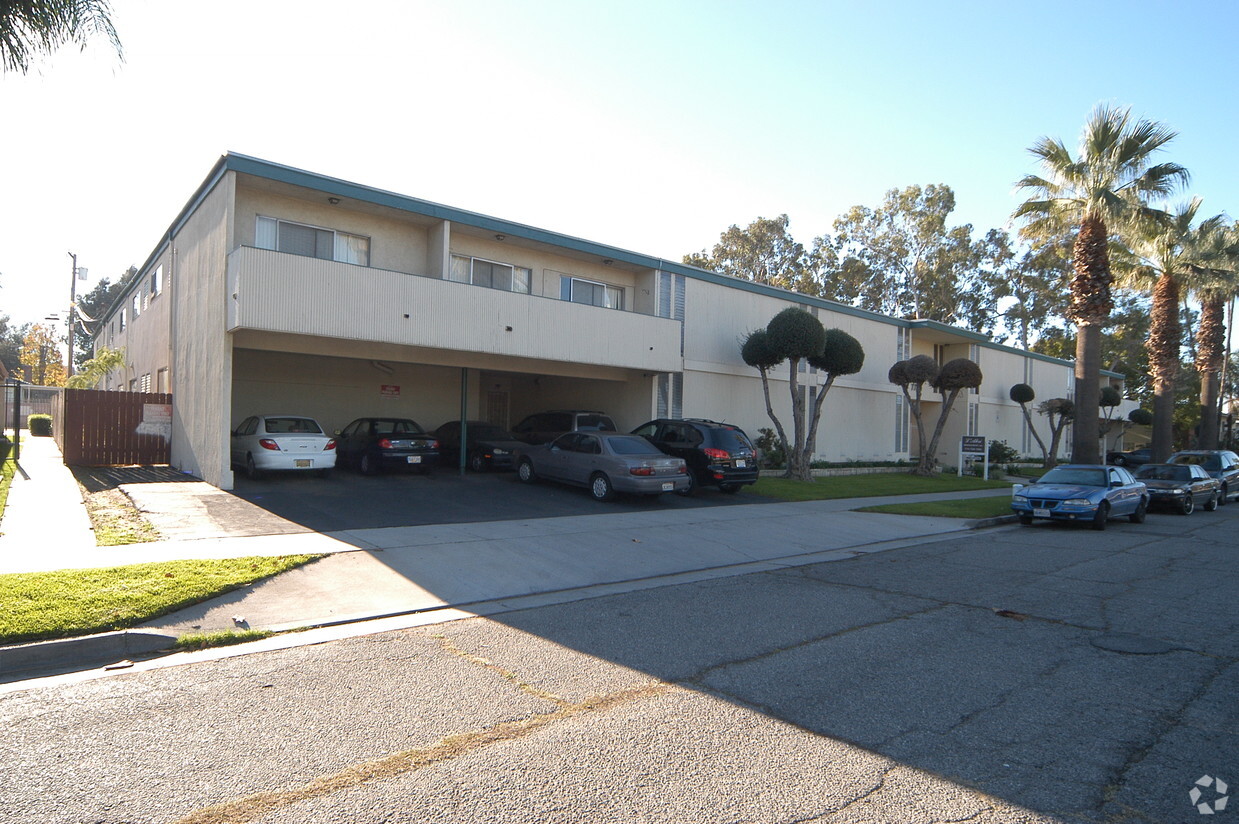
pixel 1088 493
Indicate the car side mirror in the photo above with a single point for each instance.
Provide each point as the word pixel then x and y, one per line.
pixel 337 433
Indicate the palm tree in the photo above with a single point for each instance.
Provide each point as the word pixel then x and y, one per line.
pixel 1165 254
pixel 1214 279
pixel 1109 183
pixel 38 27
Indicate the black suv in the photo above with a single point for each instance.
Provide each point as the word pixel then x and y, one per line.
pixel 717 454
pixel 544 427
pixel 1219 463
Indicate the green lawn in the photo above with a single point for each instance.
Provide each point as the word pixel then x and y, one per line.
pixel 7 470
pixel 863 486
pixel 61 604
pixel 971 508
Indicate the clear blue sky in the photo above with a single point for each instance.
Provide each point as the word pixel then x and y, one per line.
pixel 647 125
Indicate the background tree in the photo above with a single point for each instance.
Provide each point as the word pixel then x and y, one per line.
pixel 1023 394
pixel 1111 179
pixel 11 338
pixel 1030 290
pixel 29 28
pixel 1215 282
pixel 762 252
pixel 902 259
pixel 97 368
pixel 40 353
pixel 1108 400
pixel 794 335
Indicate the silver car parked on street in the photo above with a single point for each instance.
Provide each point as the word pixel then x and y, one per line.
pixel 604 463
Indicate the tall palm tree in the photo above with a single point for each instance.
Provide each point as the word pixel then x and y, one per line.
pixel 1166 255
pixel 1214 279
pixel 1109 183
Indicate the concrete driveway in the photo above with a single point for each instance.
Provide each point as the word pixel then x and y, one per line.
pixel 348 500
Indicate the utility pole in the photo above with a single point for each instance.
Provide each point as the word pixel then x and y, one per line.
pixel 72 313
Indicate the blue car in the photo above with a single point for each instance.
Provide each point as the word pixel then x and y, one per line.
pixel 1088 493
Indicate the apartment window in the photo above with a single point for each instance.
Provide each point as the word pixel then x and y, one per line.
pixel 974 419
pixel 122 320
pixel 490 273
pixel 161 380
pixel 974 354
pixel 592 292
pixel 901 424
pixel 146 382
pixel 311 241
pixel 156 281
pixel 137 304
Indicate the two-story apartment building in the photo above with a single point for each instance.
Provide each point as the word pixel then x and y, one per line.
pixel 277 290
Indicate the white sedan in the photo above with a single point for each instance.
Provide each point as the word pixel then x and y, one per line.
pixel 282 442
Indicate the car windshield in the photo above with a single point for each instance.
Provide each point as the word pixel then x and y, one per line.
pixel 1162 472
pixel 1075 476
pixel 594 423
pixel 288 426
pixel 1210 463
pixel 397 427
pixel 631 446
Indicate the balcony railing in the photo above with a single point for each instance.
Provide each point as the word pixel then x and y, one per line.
pixel 278 292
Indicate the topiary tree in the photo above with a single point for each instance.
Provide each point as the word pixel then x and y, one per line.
pixel 1140 417
pixel 1107 402
pixel 954 377
pixel 1059 412
pixel 910 376
pixel 795 335
pixel 1023 394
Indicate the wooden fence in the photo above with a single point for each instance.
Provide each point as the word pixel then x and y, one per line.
pixel 95 428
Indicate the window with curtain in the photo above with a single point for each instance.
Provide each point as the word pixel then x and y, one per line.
pixel 593 293
pixel 489 273
pixel 311 241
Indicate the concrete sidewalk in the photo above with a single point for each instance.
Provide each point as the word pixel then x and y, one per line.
pixel 478 567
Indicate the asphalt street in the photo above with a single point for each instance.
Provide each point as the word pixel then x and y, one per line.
pixel 1040 674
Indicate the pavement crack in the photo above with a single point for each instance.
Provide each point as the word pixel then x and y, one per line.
pixel 253 807
pixel 509 676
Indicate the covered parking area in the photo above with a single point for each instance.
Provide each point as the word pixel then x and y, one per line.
pixel 336 381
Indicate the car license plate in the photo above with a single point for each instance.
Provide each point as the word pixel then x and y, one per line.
pixel 740 464
pixel 302 462
pixel 668 486
pixel 1041 513
pixel 415 459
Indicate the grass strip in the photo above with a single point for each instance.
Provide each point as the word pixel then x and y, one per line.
pixel 69 602
pixel 223 638
pixel 7 470
pixel 864 486
pixel 971 508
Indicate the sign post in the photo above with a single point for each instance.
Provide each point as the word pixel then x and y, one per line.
pixel 973 446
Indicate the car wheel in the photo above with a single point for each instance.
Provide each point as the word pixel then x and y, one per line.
pixel 368 465
pixel 525 473
pixel 692 485
pixel 477 463
pixel 1211 504
pixel 1119 460
pixel 600 487
pixel 1026 520
pixel 1103 514
pixel 251 471
pixel 1188 506
pixel 1142 509
pixel 1221 496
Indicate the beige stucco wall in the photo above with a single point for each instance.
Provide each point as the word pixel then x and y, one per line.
pixel 202 366
pixel 145 340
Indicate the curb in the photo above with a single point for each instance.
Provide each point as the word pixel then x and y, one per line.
pixel 997 520
pixel 102 648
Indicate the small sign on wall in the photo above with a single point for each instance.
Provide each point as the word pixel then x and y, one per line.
pixel 389 390
pixel 156 420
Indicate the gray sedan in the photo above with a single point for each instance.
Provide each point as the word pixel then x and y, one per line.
pixel 604 463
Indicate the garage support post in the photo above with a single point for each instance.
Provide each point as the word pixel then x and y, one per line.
pixel 464 416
